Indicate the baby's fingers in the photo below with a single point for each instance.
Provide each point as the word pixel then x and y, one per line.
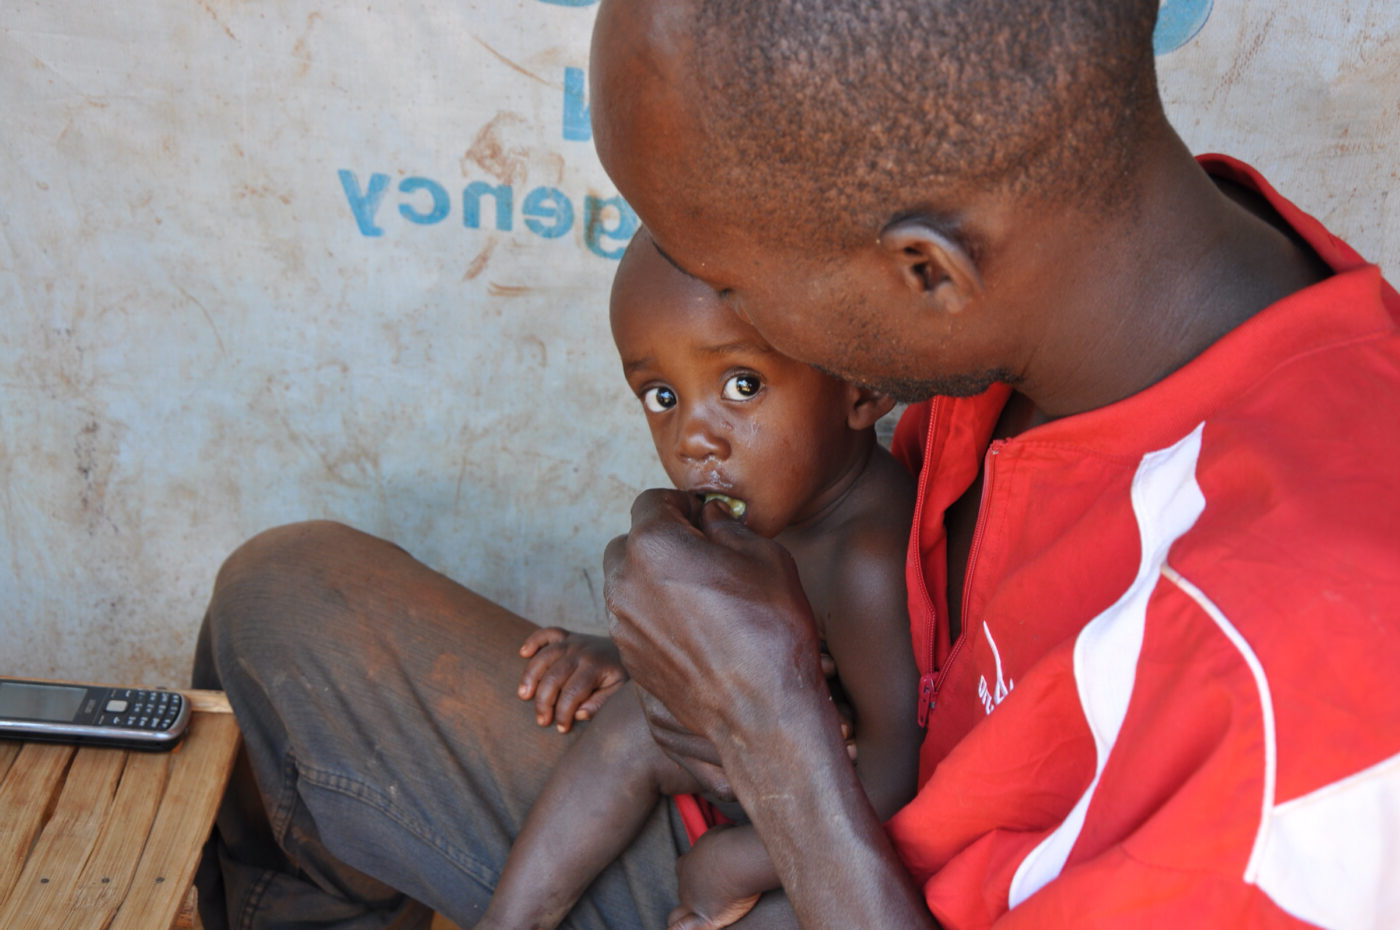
pixel 572 694
pixel 545 636
pixel 590 707
pixel 549 690
pixel 682 918
pixel 538 666
pixel 539 648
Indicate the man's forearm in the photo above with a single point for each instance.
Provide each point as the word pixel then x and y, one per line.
pixel 829 848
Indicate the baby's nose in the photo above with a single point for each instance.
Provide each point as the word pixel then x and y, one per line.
pixel 700 439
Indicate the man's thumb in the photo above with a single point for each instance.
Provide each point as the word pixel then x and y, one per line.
pixel 718 523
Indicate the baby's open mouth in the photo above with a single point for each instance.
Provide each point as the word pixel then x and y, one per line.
pixel 736 506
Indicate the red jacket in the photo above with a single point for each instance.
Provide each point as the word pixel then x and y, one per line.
pixel 1175 701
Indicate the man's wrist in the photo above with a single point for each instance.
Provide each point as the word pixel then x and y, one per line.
pixel 754 715
pixel 759 754
pixel 824 839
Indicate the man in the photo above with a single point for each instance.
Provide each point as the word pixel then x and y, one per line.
pixel 1153 574
pixel 1125 722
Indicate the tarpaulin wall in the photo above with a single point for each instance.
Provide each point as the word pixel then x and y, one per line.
pixel 261 262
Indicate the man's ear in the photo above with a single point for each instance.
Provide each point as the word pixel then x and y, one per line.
pixel 933 263
pixel 865 406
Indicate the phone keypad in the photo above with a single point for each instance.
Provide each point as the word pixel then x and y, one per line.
pixel 134 708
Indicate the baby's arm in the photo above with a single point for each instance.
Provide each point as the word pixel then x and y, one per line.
pixel 601 793
pixel 569 675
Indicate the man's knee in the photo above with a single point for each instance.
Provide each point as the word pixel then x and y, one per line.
pixel 283 588
pixel 288 551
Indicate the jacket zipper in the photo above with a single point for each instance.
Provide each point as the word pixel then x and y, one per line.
pixel 931 683
pixel 927 679
pixel 980 527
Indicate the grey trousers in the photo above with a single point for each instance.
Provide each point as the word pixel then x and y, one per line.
pixel 387 761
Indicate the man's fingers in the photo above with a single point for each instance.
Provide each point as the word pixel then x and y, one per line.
pixel 708 774
pixel 656 514
pixel 664 504
pixel 719 525
pixel 612 554
pixel 694 753
pixel 684 745
pixel 670 734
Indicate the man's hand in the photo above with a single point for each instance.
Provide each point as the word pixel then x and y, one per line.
pixel 711 620
pixel 569 675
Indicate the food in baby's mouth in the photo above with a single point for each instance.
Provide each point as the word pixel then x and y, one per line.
pixel 736 506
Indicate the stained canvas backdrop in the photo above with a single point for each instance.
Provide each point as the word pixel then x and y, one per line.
pixel 269 262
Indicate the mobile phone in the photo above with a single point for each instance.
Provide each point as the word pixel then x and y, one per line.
pixel 130 718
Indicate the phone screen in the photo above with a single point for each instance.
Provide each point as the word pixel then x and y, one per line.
pixel 40 702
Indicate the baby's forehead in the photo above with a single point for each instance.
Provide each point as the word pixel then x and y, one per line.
pixel 648 283
pixel 644 260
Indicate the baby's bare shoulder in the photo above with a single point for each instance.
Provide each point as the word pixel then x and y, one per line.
pixel 853 570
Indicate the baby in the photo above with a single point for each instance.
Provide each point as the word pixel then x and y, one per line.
pixel 792 453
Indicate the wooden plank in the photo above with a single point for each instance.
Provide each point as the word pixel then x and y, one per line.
pixel 26 797
pixel 106 878
pixel 104 838
pixel 45 886
pixel 188 916
pixel 198 774
pixel 208 702
pixel 8 750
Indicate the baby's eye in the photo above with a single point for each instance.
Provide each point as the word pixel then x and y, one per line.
pixel 658 399
pixel 741 387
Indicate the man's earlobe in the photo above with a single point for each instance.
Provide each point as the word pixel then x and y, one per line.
pixel 933 263
pixel 866 407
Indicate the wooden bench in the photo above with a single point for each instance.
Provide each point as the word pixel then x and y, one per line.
pixel 108 839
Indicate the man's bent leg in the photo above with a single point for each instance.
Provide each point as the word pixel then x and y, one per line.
pixel 388 760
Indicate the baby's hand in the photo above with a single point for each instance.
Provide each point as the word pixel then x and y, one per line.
pixel 569 675
pixel 716 880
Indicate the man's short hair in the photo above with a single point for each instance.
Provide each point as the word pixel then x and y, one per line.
pixel 847 108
